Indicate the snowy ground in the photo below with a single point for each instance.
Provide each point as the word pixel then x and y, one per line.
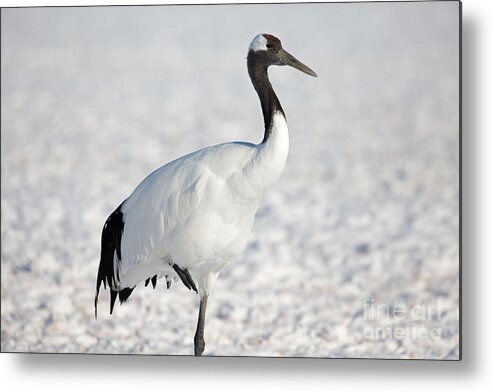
pixel 364 221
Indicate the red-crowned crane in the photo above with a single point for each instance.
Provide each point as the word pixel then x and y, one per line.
pixel 192 217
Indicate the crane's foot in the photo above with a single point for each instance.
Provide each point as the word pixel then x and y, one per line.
pixel 199 345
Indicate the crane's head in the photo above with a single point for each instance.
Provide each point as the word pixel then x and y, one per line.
pixel 268 50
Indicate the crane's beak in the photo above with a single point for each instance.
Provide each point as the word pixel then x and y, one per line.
pixel 288 59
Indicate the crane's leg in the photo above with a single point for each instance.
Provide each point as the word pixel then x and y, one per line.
pixel 199 333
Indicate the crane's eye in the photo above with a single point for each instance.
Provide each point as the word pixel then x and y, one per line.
pixel 268 46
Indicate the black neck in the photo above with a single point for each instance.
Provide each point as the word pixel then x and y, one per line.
pixel 257 69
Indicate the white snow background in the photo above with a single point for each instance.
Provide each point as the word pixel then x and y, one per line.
pixel 367 210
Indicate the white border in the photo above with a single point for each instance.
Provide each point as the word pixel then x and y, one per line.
pixel 97 373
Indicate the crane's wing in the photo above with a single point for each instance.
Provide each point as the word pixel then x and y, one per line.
pixel 163 200
pixel 169 195
pixel 135 233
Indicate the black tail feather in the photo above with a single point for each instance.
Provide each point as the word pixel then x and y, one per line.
pixel 113 298
pixel 108 273
pixel 125 293
pixel 154 281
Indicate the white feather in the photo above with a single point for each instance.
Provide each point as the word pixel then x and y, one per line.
pixel 258 43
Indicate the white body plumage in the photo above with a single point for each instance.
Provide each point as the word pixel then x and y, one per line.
pixel 197 211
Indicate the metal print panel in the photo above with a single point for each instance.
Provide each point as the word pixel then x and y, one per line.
pixel 273 180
